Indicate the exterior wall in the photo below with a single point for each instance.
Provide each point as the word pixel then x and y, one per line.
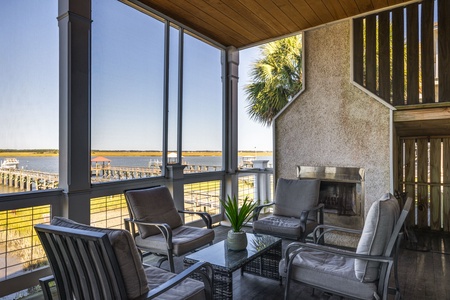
pixel 334 123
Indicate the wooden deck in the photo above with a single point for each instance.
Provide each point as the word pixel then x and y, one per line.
pixel 424 273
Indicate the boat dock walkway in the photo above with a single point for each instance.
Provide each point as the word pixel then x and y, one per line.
pixel 28 180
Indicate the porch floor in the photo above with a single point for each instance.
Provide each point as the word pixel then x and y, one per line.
pixel 424 272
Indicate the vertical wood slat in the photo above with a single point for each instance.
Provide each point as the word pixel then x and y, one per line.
pixel 422 188
pixel 412 54
pixel 435 180
pixel 427 52
pixel 398 171
pixel 398 80
pixel 358 49
pixel 410 171
pixel 446 181
pixel 384 49
pixel 371 57
pixel 444 50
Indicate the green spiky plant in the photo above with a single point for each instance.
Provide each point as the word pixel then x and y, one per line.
pixel 238 216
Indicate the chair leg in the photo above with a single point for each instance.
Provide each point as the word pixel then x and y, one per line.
pixel 45 286
pixel 170 258
pixel 161 260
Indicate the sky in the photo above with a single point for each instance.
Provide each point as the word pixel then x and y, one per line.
pixel 127 82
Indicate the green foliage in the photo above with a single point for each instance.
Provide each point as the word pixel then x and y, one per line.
pixel 276 78
pixel 238 216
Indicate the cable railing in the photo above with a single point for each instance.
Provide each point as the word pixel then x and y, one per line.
pixel 22 259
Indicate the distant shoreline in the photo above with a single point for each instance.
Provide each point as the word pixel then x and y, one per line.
pixel 47 153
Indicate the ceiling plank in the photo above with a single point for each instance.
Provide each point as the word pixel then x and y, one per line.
pixel 306 11
pixel 336 10
pixel 286 7
pixel 364 5
pixel 321 11
pixel 377 4
pixel 350 7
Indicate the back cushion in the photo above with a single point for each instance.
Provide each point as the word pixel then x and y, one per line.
pixel 292 196
pixel 126 252
pixel 378 227
pixel 153 205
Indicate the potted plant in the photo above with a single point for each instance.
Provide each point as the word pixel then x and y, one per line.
pixel 238 216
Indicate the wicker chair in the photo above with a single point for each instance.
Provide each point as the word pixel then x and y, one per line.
pixel 96 263
pixel 296 210
pixel 363 274
pixel 158 228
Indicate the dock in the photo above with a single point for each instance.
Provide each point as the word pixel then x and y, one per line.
pixel 29 180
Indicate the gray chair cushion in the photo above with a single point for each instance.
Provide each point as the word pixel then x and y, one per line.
pixel 282 226
pixel 154 205
pixel 188 289
pixel 184 240
pixel 328 271
pixel 378 227
pixel 128 257
pixel 294 196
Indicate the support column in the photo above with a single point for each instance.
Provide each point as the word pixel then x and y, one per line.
pixel 176 185
pixel 231 72
pixel 74 20
pixel 261 182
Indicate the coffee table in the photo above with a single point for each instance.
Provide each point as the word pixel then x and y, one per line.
pixel 261 258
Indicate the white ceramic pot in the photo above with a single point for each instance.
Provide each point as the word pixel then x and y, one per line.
pixel 236 240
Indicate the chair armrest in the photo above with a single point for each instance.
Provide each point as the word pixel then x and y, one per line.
pixel 320 230
pixel 289 256
pixel 204 215
pixel 258 209
pixel 44 282
pixel 203 269
pixel 165 229
pixel 319 211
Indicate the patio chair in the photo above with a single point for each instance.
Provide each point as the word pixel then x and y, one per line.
pixel 158 228
pixel 296 210
pixel 363 274
pixel 96 263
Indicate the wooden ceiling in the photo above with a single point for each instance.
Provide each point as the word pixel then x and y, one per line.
pixel 242 23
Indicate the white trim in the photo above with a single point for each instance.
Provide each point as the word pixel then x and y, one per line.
pixel 388 105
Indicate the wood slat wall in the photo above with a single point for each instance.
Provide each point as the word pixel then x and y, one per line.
pixel 394 53
pixel 425 176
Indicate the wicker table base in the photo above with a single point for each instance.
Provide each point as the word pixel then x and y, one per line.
pixel 259 259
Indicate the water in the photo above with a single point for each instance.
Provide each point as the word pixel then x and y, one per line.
pixel 50 164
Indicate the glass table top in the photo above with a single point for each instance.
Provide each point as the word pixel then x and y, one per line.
pixel 219 255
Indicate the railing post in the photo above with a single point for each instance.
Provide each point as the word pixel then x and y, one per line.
pixel 261 181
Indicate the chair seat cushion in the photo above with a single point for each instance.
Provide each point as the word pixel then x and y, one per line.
pixel 126 252
pixel 188 289
pixel 184 239
pixel 282 226
pixel 329 272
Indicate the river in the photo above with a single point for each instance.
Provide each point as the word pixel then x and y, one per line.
pixel 50 163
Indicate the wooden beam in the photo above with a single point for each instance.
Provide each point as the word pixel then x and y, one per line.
pixel 427 52
pixel 358 48
pixel 412 48
pixel 440 113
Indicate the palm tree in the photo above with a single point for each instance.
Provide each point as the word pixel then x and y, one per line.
pixel 276 78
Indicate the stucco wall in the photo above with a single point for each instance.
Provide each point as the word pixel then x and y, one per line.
pixel 334 123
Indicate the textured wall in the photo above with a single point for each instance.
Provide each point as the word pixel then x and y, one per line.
pixel 333 123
